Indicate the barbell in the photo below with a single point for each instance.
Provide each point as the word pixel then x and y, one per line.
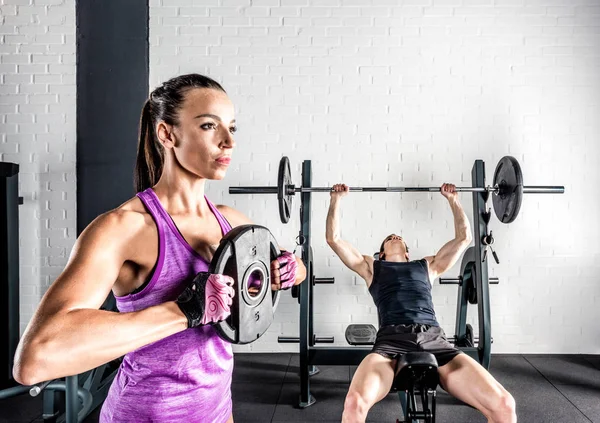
pixel 507 189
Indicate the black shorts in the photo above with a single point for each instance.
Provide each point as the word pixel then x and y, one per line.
pixel 393 341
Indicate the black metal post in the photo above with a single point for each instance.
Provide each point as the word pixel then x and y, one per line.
pixel 306 335
pixel 71 399
pixel 481 268
pixel 9 267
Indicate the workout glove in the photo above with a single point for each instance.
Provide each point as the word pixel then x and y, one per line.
pixel 206 299
pixel 287 269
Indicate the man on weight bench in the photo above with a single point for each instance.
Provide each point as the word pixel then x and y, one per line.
pixel 401 289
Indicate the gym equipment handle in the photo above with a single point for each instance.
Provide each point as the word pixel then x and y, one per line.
pixel 36 389
pixel 323 280
pixel 458 281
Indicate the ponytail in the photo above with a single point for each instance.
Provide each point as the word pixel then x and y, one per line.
pixel 150 157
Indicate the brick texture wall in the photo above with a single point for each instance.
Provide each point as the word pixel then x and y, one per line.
pixel 411 93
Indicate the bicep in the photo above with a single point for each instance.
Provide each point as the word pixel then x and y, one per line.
pixel 446 257
pixel 351 257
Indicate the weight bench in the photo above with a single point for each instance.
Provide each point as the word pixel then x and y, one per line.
pixel 416 374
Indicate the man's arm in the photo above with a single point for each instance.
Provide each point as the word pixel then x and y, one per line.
pixel 350 256
pixel 448 255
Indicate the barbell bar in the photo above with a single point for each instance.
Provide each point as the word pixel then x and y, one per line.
pixel 507 188
pixel 291 189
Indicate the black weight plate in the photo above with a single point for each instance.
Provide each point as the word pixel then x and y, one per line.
pixel 284 180
pixel 467 267
pixel 470 283
pixel 509 179
pixel 469 336
pixel 245 250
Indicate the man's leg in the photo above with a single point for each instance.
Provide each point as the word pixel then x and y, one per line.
pixel 468 381
pixel 371 383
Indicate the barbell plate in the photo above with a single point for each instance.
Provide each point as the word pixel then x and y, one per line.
pixel 243 251
pixel 509 180
pixel 284 197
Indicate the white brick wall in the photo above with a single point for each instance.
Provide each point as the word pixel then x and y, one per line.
pixel 407 93
pixel 37 105
pixel 374 93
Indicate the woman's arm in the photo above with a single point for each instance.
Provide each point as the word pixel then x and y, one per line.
pixel 68 334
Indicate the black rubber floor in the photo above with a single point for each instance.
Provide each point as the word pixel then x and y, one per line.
pixel 547 388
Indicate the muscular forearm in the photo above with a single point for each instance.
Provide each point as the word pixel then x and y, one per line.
pixel 82 339
pixel 332 229
pixel 462 229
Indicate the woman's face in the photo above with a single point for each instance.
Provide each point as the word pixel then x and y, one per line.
pixel 203 141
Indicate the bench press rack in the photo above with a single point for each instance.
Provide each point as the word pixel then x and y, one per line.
pixel 473 269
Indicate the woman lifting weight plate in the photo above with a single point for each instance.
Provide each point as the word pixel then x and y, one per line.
pixel 148 252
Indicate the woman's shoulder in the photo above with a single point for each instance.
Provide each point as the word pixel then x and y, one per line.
pixel 128 218
pixel 233 216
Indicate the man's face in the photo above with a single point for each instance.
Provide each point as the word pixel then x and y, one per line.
pixel 394 244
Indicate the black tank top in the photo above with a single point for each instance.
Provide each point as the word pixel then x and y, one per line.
pixel 402 293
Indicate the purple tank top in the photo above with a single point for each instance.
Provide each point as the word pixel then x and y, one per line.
pixel 185 377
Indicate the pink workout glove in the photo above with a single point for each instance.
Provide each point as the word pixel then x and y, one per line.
pixel 207 299
pixel 287 269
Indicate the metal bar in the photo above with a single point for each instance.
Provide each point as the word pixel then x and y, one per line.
pixel 296 339
pixel 454 339
pixel 36 389
pixel 9 268
pixel 454 281
pixel 305 329
pixel 324 280
pixel 481 269
pixel 544 190
pixel 71 398
pixel 393 189
pixel 253 190
pixel 288 339
pixel 533 189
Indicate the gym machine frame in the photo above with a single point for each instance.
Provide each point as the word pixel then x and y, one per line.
pixel 312 355
pixel 507 190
